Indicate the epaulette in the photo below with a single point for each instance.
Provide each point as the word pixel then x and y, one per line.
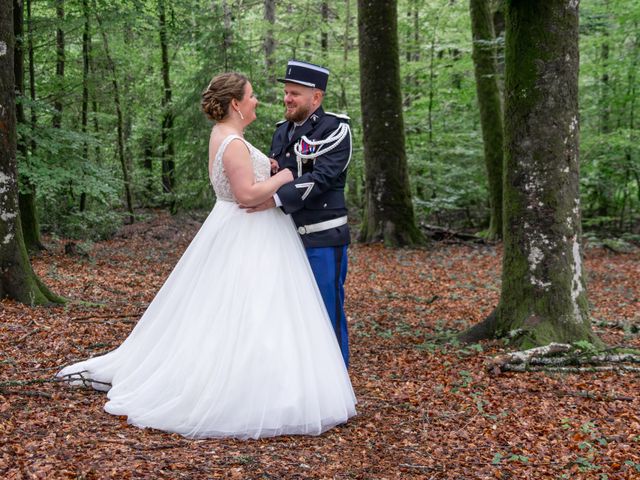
pixel 343 116
pixel 280 123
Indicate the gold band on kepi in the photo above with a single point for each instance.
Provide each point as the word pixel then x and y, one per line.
pixel 306 74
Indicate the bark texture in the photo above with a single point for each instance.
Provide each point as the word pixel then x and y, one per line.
pixel 17 279
pixel 543 297
pixel 490 104
pixel 389 211
pixel 60 60
pixel 84 118
pixel 269 45
pixel 167 152
pixel 27 192
pixel 227 35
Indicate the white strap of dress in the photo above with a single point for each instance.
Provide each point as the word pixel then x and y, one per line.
pixel 227 140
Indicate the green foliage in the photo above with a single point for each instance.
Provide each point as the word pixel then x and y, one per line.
pixel 443 141
pixel 610 174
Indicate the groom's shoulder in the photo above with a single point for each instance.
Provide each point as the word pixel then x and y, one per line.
pixel 340 117
pixel 330 121
pixel 281 128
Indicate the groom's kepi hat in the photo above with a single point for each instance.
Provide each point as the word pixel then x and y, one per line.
pixel 306 74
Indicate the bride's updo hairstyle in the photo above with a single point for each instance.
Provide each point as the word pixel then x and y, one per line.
pixel 218 95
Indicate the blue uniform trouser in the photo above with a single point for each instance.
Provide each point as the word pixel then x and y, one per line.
pixel 329 265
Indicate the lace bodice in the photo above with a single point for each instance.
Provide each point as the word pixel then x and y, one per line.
pixel 218 177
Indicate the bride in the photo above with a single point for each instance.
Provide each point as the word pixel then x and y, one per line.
pixel 237 342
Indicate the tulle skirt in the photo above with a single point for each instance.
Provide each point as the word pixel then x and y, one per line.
pixel 237 342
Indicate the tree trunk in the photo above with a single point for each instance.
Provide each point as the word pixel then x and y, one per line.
pixel 630 164
pixel 389 211
pixel 490 103
pixel 269 45
pixel 86 40
pixel 355 177
pixel 17 279
pixel 543 297
pixel 605 101
pixel 603 190
pixel 32 76
pixel 59 93
pixel 497 9
pixel 324 35
pixel 227 35
pixel 128 81
pixel 412 53
pixel 27 192
pixel 94 106
pixel 432 81
pixel 119 124
pixel 167 147
pixel 147 165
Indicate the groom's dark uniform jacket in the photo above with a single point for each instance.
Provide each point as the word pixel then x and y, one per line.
pixel 317 192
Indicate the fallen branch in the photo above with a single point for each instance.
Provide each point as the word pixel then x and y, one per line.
pixel 39 325
pixel 441 233
pixel 626 326
pixel 110 321
pixel 77 378
pixel 138 446
pixel 25 336
pixel 561 357
pixel 417 467
pixel 579 360
pixel 401 296
pixel 525 356
pixel 98 318
pixel 596 396
pixel 23 383
pixel 28 393
pixel 539 368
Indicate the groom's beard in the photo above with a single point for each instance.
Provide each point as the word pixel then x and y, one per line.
pixel 298 115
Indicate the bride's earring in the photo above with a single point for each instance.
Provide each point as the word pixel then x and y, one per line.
pixel 240 113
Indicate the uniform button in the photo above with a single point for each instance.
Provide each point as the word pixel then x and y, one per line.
pixel 288 154
pixel 325 205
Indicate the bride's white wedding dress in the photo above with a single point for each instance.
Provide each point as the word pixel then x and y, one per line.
pixel 237 342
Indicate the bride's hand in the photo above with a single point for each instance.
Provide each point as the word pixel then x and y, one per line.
pixel 266 205
pixel 285 176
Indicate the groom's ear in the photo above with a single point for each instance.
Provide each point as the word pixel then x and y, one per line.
pixel 318 96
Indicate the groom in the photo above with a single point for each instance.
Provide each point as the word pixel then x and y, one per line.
pixel 316 146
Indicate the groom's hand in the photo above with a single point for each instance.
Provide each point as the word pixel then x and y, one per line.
pixel 274 166
pixel 266 205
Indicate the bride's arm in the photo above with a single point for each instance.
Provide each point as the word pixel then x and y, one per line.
pixel 239 170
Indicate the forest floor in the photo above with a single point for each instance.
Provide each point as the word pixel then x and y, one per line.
pixel 427 406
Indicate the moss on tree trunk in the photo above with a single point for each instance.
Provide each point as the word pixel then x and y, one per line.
pixel 27 195
pixel 490 103
pixel 388 208
pixel 17 279
pixel 29 219
pixel 543 295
